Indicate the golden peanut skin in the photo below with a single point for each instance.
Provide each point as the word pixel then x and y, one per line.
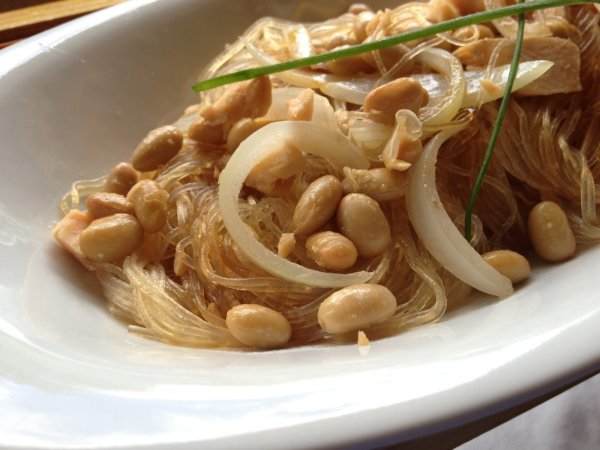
pixel 301 107
pixel 356 307
pixel 258 326
pixel 251 98
pixel 381 184
pixel 317 205
pixel 331 250
pixel 550 233
pixel 510 264
pixel 157 148
pixel 102 204
pixel 149 202
pixel 361 220
pixel 111 238
pixel 402 93
pixel 239 132
pixel 121 178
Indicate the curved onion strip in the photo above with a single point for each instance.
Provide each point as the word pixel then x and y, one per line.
pixel 526 73
pixel 407 125
pixel 439 234
pixel 279 102
pixel 352 90
pixel 436 85
pixel 309 138
pixel 299 41
pixel 295 77
pixel 323 112
pixel 449 65
pixel 370 137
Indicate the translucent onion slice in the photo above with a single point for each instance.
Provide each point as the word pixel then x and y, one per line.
pixel 444 110
pixel 279 102
pixel 299 41
pixel 295 77
pixel 439 234
pixel 352 90
pixel 370 137
pixel 309 138
pixel 436 84
pixel 441 108
pixel 323 112
pixel 527 72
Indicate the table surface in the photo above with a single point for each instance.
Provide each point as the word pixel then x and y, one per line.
pixel 575 408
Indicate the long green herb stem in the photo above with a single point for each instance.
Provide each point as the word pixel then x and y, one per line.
pixel 442 27
pixel 487 156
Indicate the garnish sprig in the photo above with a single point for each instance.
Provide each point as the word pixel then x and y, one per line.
pixel 487 156
pixel 442 27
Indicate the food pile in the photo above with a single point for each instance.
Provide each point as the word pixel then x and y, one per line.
pixel 328 202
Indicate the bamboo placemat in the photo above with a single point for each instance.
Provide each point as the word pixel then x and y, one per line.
pixel 21 19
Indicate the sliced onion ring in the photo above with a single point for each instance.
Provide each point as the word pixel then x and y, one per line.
pixel 309 138
pixel 436 84
pixel 449 65
pixel 439 234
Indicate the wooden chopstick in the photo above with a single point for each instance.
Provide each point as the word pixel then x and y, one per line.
pixel 20 23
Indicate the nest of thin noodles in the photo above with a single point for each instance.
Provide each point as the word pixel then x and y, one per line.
pixel 548 149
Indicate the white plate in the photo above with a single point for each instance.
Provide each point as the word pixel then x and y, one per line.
pixel 77 99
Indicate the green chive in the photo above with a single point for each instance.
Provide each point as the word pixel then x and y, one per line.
pixel 487 157
pixel 442 27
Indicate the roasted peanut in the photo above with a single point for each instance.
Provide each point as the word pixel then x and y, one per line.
pixel 356 307
pixel 559 26
pixel 203 131
pixel 121 178
pixel 389 57
pixel 258 326
pixel 102 204
pixel 250 98
pixel 349 65
pixel 550 232
pixel 442 10
pixel 510 264
pixel 149 202
pixel 332 251
pixel 361 220
pixel 157 148
pixel 272 175
pixel 240 131
pixel 473 32
pixel 301 107
pixel 317 205
pixel 360 24
pixel 465 7
pixel 381 184
pixel 402 93
pixel 286 244
pixel 111 238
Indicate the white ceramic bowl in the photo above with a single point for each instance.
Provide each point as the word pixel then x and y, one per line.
pixel 77 99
